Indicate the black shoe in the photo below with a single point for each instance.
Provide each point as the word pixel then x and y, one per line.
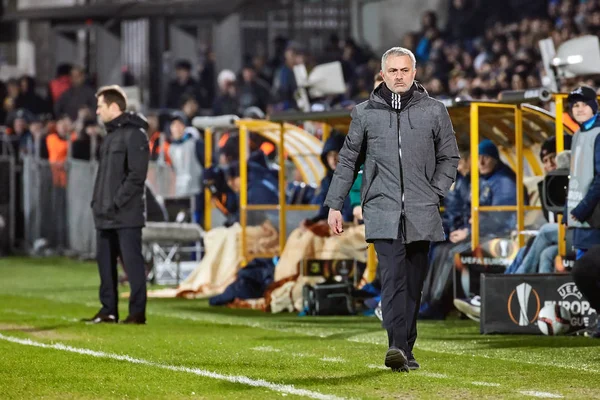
pixel 412 363
pixel 102 319
pixel 135 320
pixel 395 359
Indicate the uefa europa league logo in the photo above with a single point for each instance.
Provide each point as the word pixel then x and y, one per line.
pixel 526 316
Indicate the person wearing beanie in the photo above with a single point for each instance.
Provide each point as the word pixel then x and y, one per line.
pixel 583 198
pixel 548 151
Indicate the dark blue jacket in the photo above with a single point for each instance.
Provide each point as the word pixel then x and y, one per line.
pixel 586 238
pixel 498 189
pixel 334 143
pixel 456 203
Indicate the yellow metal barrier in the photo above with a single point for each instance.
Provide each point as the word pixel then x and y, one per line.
pixel 560 146
pixel 282 200
pixel 475 207
pixel 243 189
pixel 208 156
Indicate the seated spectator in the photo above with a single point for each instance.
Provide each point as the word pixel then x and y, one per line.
pixel 497 187
pixel 539 256
pixel 456 202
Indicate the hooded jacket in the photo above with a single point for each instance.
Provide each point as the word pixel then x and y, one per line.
pixel 119 192
pixel 410 157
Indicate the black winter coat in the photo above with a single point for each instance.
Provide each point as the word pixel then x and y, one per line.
pixel 119 191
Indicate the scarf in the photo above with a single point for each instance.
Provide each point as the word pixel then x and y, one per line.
pixel 395 100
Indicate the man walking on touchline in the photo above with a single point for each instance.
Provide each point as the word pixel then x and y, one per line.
pixel 410 158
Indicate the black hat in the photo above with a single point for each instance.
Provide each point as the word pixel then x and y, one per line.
pixel 585 94
pixel 183 64
pixel 549 145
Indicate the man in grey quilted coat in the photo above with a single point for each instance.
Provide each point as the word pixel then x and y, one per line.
pixel 407 143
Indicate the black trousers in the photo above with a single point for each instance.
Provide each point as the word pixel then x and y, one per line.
pixel 586 273
pixel 403 268
pixel 126 243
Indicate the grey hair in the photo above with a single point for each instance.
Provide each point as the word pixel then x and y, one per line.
pixel 398 51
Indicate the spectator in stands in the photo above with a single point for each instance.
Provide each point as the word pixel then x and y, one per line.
pixel 28 99
pixel 189 107
pixel 88 141
pixel 254 92
pixel 37 145
pixel 456 202
pixel 183 84
pixel 10 100
pixel 207 80
pixel 262 189
pixel 583 200
pixel 284 83
pixel 60 84
pixel 155 138
pixel 497 187
pixel 79 94
pixel 84 114
pixel 185 152
pixel 58 145
pixel 538 256
pixel 227 102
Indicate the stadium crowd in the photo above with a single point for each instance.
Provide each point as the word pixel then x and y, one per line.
pixel 470 57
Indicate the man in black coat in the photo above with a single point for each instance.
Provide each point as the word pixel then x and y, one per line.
pixel 118 205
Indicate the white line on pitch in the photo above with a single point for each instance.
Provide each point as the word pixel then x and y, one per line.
pixel 287 389
pixel 545 395
pixel 333 359
pixel 267 349
pixel 485 384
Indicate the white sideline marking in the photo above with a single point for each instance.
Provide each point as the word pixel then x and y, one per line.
pixel 544 395
pixel 433 374
pixel 373 366
pixel 333 359
pixel 485 384
pixel 268 349
pixel 284 389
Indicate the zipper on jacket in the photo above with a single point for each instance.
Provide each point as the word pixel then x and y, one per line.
pixel 402 213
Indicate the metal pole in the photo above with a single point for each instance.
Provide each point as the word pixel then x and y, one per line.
pixel 520 188
pixel 282 200
pixel 208 147
pixel 560 146
pixel 474 176
pixel 243 188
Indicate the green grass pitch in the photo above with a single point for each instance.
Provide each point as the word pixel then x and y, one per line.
pixel 191 350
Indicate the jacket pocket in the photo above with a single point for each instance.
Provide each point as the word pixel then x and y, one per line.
pixel 366 196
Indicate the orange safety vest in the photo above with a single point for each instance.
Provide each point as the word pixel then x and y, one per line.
pixel 154 143
pixel 58 149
